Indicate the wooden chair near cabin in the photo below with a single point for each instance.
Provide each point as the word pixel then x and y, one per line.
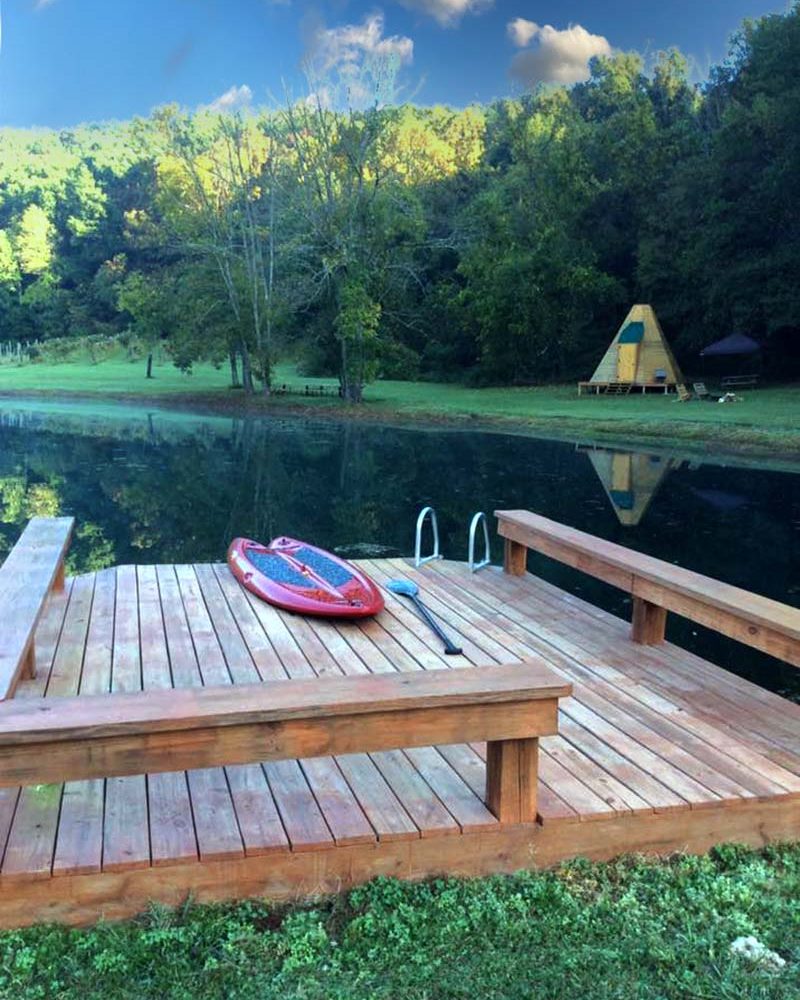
pixel 701 392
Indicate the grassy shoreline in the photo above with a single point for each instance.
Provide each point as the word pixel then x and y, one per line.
pixel 628 929
pixel 766 422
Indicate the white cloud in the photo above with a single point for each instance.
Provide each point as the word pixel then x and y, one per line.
pixel 557 56
pixel 234 99
pixel 448 12
pixel 41 4
pixel 521 31
pixel 345 48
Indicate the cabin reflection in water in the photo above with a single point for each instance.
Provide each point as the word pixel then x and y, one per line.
pixel 630 478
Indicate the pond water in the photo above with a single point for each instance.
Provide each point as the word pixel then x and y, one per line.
pixel 159 486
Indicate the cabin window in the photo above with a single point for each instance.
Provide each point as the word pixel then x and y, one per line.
pixel 632 334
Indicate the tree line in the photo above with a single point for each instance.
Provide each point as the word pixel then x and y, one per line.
pixel 495 244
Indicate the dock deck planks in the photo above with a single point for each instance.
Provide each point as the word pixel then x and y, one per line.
pixel 657 749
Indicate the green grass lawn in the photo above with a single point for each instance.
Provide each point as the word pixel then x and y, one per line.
pixel 630 930
pixel 115 377
pixel 768 419
pixel 774 410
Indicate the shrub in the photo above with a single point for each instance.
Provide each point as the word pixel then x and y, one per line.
pixel 94 348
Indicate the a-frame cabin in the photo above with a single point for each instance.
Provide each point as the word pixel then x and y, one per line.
pixel 638 358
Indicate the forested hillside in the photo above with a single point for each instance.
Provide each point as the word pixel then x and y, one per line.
pixel 497 244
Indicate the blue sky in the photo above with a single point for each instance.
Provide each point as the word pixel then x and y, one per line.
pixel 67 61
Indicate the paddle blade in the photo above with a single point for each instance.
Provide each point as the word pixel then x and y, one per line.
pixel 404 587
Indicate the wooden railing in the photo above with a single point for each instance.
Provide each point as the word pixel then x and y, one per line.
pixel 656 586
pixel 63 739
pixel 32 570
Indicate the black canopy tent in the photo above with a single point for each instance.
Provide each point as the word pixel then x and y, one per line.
pixel 734 343
pixel 736 360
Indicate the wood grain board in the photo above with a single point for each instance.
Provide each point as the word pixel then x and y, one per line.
pixel 33 568
pixel 656 586
pixel 656 747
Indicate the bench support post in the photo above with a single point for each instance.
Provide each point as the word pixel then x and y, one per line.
pixel 511 778
pixel 29 666
pixel 515 558
pixel 649 622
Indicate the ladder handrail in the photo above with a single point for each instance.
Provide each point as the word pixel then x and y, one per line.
pixel 419 560
pixel 479 518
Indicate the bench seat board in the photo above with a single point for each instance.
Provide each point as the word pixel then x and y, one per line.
pixel 27 576
pixel 751 618
pixel 90 743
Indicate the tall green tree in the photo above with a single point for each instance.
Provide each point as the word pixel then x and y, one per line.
pixel 365 238
pixel 34 242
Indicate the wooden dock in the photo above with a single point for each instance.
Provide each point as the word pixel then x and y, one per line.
pixel 656 750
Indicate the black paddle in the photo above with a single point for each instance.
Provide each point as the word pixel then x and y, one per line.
pixel 407 588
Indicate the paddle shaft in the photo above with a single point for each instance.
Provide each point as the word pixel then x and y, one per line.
pixel 449 647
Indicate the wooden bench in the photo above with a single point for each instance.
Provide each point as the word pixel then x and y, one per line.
pixel 739 381
pixel 657 587
pixel 33 568
pixel 65 739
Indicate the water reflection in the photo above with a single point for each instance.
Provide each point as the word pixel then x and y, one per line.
pixel 162 486
pixel 630 478
pixel 722 499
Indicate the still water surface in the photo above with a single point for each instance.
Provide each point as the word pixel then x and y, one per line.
pixel 158 486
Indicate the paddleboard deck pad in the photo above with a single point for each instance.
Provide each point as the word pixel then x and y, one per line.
pixel 300 577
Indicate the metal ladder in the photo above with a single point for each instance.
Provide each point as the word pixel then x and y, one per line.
pixel 419 560
pixel 478 519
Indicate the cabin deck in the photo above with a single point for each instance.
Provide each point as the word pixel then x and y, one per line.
pixel 657 750
pixel 624 388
